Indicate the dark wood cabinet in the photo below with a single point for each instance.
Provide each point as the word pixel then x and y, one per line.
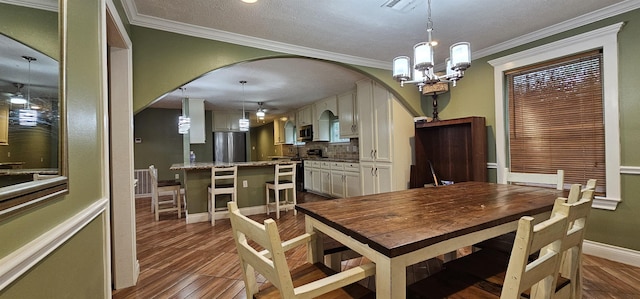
pixel 457 149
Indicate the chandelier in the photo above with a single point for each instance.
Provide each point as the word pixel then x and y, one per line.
pixel 423 61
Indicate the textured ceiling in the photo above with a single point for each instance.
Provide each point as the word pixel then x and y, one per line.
pixel 360 32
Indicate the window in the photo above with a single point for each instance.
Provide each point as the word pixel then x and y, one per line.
pixel 606 39
pixel 335 131
pixel 555 116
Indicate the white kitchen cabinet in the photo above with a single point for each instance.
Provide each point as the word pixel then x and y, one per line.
pixel 326 104
pixel 337 179
pixel 348 114
pixel 308 175
pixel 304 116
pixel 376 177
pixel 325 180
pixel 279 134
pixel 337 183
pixel 386 139
pixel 352 184
pixel 374 107
pixel 345 179
pixel 317 177
pixel 226 121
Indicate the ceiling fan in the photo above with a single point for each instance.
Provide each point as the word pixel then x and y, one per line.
pixel 260 113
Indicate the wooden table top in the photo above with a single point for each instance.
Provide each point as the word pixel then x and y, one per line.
pixel 400 222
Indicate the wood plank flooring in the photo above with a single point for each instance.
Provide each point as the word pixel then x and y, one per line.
pixel 200 261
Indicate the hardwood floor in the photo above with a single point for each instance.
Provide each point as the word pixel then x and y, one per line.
pixel 200 261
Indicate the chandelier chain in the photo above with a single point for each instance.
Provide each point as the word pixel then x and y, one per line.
pixel 429 20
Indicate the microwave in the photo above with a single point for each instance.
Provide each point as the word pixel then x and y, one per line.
pixel 305 133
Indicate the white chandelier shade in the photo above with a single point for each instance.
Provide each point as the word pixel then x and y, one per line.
pixel 423 56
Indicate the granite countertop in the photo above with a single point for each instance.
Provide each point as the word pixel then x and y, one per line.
pixel 29 171
pixel 332 160
pixel 207 165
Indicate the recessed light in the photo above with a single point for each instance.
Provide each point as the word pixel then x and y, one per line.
pixel 249 1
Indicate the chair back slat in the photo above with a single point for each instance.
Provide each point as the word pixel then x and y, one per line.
pixel 555 179
pixel 285 172
pixel 266 235
pixel 541 272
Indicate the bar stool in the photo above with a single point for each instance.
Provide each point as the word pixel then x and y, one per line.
pixel 157 187
pixel 223 181
pixel 285 178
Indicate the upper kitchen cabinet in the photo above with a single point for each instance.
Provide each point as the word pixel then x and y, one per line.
pixel 325 111
pixel 226 121
pixel 386 132
pixel 283 131
pixel 329 103
pixel 348 114
pixel 374 105
pixel 304 116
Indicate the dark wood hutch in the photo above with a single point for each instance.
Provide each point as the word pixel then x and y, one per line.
pixel 457 149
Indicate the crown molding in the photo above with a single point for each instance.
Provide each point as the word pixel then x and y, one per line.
pixel 32 4
pixel 203 32
pixel 138 19
pixel 594 16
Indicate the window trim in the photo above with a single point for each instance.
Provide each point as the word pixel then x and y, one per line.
pixel 605 38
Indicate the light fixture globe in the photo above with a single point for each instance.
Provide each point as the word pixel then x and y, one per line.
pixel 401 68
pixel 460 54
pixel 423 56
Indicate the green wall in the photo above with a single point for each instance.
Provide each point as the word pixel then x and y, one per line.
pixel 74 270
pixel 262 143
pixel 162 145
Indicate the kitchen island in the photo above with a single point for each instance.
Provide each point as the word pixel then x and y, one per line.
pixel 251 186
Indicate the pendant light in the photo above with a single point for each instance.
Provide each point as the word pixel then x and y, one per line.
pixel 26 116
pixel 243 122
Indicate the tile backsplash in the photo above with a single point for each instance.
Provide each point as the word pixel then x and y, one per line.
pixel 343 150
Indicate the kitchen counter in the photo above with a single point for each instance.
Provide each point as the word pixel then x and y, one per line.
pixel 331 160
pixel 209 165
pixel 251 186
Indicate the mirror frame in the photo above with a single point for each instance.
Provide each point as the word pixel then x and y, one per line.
pixel 19 197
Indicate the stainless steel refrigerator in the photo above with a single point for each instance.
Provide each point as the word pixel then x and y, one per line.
pixel 229 147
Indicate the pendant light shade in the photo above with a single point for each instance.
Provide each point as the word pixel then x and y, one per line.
pixel 243 123
pixel 460 56
pixel 423 56
pixel 401 68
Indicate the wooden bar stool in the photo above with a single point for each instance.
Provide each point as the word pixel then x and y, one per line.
pixel 285 178
pixel 224 180
pixel 163 186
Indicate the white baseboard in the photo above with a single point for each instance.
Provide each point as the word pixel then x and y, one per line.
pixel 20 261
pixel 197 217
pixel 610 252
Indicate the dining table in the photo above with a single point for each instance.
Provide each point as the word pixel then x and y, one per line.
pixel 401 228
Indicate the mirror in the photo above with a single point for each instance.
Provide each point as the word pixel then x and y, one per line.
pixel 32 146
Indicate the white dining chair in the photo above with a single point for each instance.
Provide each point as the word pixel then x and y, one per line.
pixel 157 187
pixel 284 179
pixel 304 281
pixel 224 180
pixel 538 179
